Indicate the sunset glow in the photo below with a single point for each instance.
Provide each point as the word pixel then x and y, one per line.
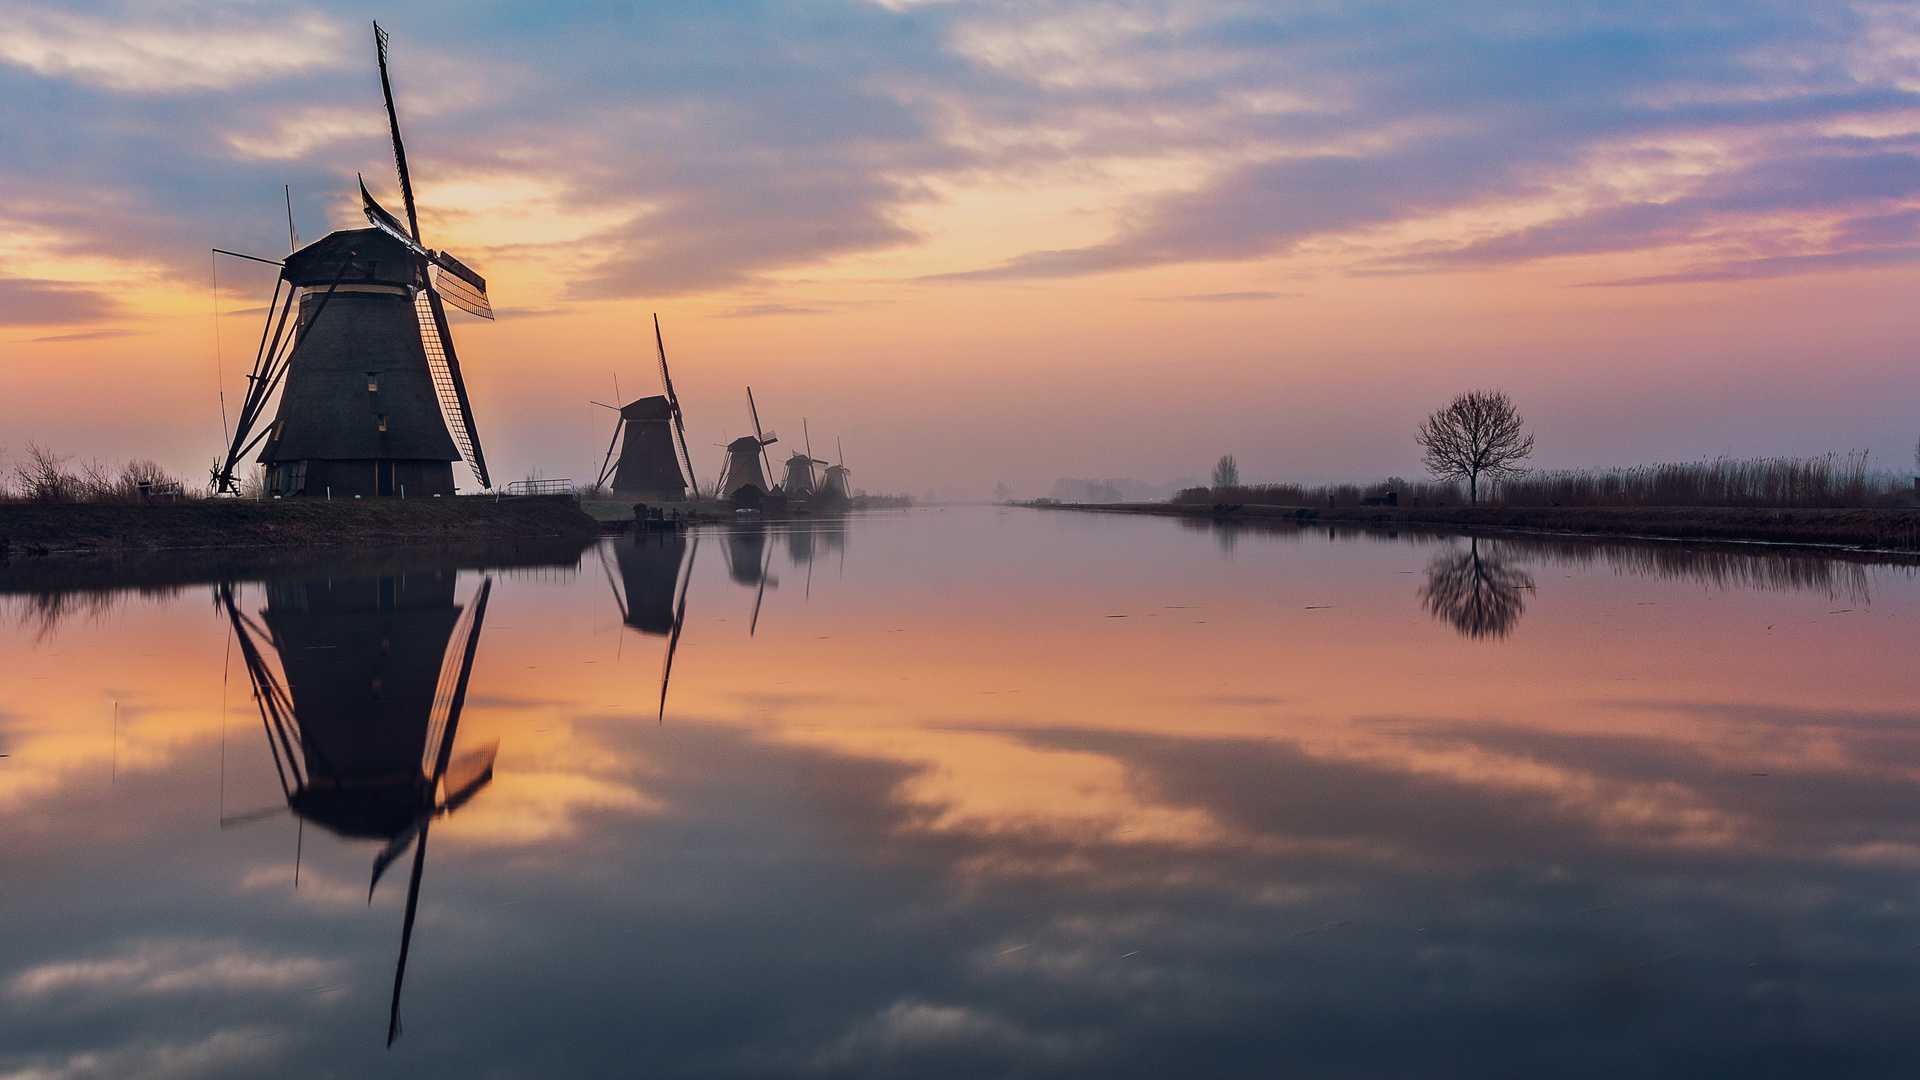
pixel 985 244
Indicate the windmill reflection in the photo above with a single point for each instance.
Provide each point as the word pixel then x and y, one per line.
pixel 655 567
pixel 1479 594
pixel 363 727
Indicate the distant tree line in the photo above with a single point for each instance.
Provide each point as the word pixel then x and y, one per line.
pixel 1478 441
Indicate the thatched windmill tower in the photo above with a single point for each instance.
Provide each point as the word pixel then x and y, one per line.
pixel 362 728
pixel 648 431
pixel 373 400
pixel 745 455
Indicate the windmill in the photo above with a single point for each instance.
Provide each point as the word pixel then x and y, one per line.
pixel 373 401
pixel 362 728
pixel 744 458
pixel 833 486
pixel 800 480
pixel 648 470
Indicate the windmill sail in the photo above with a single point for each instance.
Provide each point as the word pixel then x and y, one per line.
pixel 471 295
pixel 444 363
pixel 673 402
pixel 457 281
pixel 462 287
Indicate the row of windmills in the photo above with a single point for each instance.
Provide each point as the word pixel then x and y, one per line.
pixel 651 435
pixel 357 354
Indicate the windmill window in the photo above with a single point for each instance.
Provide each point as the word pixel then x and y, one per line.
pixel 373 381
pixel 382 418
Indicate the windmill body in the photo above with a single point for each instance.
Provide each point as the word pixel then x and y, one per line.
pixel 359 414
pixel 649 467
pixel 743 467
pixel 833 486
pixel 799 481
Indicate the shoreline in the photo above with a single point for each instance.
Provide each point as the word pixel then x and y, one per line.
pixel 1893 531
pixel 37 529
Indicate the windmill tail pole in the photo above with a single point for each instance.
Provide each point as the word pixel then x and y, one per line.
pixel 606 464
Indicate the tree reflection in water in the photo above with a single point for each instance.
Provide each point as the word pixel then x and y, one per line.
pixel 1479 594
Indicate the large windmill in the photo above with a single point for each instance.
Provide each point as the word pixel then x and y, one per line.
pixel 373 401
pixel 745 455
pixel 362 727
pixel 647 469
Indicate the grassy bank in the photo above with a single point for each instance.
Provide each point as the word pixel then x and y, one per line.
pixel 1886 529
pixel 34 528
pixel 613 511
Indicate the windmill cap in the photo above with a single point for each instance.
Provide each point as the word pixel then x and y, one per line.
pixel 376 257
pixel 647 408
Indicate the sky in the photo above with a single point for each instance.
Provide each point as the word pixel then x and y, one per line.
pixel 980 243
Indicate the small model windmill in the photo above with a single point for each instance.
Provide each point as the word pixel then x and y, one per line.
pixel 374 402
pixel 362 729
pixel 744 458
pixel 647 469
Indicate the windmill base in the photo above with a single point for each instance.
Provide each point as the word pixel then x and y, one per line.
pixel 324 478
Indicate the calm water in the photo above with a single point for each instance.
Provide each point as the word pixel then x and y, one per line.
pixel 966 793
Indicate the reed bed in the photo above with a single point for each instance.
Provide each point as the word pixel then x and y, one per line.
pixel 1831 481
pixel 1828 482
pixel 1330 496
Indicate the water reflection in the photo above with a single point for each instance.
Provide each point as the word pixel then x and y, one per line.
pixel 1480 595
pixel 363 714
pixel 655 567
pixel 1028 794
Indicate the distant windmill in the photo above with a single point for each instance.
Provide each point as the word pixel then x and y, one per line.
pixel 374 402
pixel 362 728
pixel 744 458
pixel 799 479
pixel 648 469
pixel 833 486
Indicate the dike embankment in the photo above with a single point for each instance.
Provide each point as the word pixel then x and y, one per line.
pixel 1892 529
pixel 29 529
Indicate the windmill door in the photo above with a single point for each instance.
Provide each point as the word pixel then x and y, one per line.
pixel 383 479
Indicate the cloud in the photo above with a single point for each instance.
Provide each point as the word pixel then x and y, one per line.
pixel 232 1051
pixel 85 335
pixel 211 50
pixel 1234 297
pixel 713 149
pixel 172 967
pixel 307 130
pixel 35 302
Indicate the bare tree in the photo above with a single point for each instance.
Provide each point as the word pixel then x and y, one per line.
pixel 1226 472
pixel 1476 435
